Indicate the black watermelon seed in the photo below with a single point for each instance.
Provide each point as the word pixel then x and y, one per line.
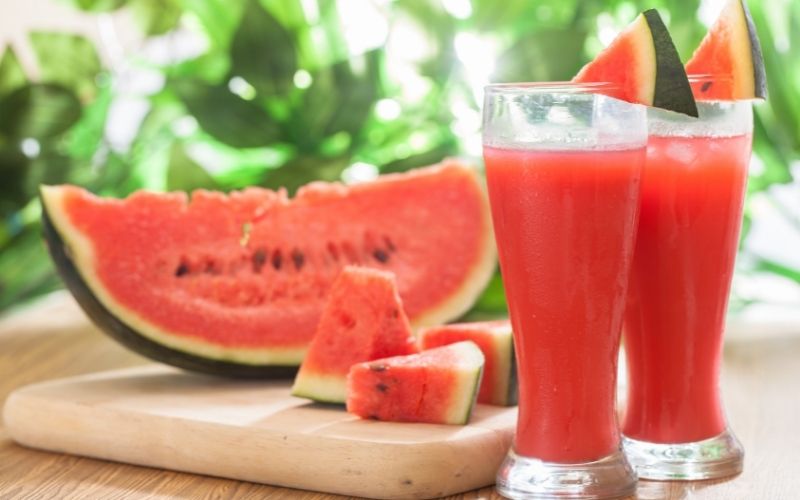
pixel 706 86
pixel 380 256
pixel 377 367
pixel 382 387
pixel 298 258
pixel 182 270
pixel 277 260
pixel 259 257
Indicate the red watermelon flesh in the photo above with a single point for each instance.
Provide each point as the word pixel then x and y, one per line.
pixel 437 386
pixel 495 340
pixel 729 58
pixel 362 320
pixel 241 278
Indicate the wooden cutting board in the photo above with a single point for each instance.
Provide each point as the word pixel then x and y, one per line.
pixel 255 431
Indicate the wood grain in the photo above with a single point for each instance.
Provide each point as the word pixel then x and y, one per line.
pixel 761 382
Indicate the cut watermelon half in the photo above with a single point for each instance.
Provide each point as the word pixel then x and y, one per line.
pixel 729 58
pixel 495 340
pixel 438 386
pixel 235 284
pixel 643 66
pixel 362 320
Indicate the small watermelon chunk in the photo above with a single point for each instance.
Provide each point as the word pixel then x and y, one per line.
pixel 730 56
pixel 643 63
pixel 495 339
pixel 438 386
pixel 362 320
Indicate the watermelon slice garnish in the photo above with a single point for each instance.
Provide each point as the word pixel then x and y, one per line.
pixel 729 58
pixel 438 386
pixel 643 66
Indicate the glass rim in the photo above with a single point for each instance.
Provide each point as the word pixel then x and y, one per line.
pixel 550 87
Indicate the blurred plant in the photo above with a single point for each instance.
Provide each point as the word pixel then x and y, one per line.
pixel 281 92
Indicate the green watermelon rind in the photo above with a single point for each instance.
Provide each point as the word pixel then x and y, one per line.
pixel 110 323
pixel 329 389
pixel 469 403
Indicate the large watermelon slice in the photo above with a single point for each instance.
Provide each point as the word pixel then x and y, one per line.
pixel 643 66
pixel 438 386
pixel 234 284
pixel 730 58
pixel 495 340
pixel 363 319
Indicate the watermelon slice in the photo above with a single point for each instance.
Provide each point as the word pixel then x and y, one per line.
pixel 438 386
pixel 730 58
pixel 495 339
pixel 643 65
pixel 235 284
pixel 362 320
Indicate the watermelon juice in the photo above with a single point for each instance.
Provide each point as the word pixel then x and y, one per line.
pixel 565 224
pixel 690 218
pixel 691 211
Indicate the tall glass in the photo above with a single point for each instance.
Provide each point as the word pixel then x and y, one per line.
pixel 563 165
pixel 691 214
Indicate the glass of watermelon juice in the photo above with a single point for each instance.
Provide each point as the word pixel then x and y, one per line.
pixel 690 217
pixel 563 166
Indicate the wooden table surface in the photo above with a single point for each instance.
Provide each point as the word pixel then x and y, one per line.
pixel 761 384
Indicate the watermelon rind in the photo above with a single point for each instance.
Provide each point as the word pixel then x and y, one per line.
pixel 109 322
pixel 672 89
pixel 468 383
pixel 330 389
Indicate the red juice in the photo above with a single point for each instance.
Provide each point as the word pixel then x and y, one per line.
pixel 689 222
pixel 565 225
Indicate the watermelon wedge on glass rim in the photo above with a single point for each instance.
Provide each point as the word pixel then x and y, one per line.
pixel 728 64
pixel 234 284
pixel 643 66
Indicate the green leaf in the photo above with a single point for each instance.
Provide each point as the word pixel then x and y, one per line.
pixel 156 17
pixel 227 117
pixel 25 269
pixel 98 5
pixel 543 55
pixel 263 52
pixel 69 60
pixel 39 111
pixel 184 174
pixel 11 74
pixel 218 18
pixel 13 167
pixel 339 99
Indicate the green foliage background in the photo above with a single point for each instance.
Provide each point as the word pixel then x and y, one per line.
pixel 239 103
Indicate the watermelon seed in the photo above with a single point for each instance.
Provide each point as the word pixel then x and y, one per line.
pixel 382 387
pixel 706 86
pixel 380 256
pixel 377 368
pixel 333 251
pixel 277 260
pixel 259 258
pixel 182 270
pixel 298 258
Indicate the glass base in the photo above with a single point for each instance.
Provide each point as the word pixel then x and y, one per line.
pixel 530 478
pixel 717 457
